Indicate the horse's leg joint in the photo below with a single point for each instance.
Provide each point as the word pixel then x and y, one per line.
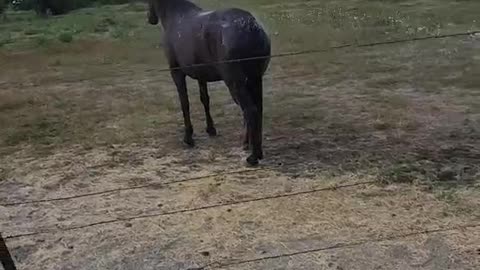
pixel 206 104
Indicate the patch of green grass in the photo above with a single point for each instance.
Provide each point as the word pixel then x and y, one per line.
pixel 135 7
pixel 41 40
pixel 41 130
pixel 118 33
pixel 448 195
pixel 402 173
pixel 31 32
pixel 87 24
pixel 293 26
pixel 5 40
pixel 104 25
pixel 65 37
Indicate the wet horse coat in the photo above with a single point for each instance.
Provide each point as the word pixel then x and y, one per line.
pixel 205 45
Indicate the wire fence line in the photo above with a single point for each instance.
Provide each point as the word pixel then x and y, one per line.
pixel 231 263
pixel 184 180
pixel 190 210
pixel 305 52
pixel 322 50
pixel 104 192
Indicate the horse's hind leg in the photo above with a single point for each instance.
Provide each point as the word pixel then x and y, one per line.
pixel 246 145
pixel 180 82
pixel 255 88
pixel 206 104
pixel 246 140
pixel 241 92
pixel 253 128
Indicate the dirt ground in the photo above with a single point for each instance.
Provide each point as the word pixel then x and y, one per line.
pixel 372 158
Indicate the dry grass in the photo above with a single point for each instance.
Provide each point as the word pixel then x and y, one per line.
pixel 95 114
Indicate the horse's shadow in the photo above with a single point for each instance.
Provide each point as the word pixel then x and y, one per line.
pixel 448 157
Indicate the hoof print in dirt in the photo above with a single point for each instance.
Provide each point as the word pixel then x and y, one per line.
pixel 205 253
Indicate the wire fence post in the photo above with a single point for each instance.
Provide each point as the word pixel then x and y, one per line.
pixel 5 257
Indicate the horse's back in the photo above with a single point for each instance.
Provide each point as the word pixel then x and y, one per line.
pixel 242 34
pixel 218 36
pixel 242 37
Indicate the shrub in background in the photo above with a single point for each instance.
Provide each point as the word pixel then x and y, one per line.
pixel 23 4
pixel 60 6
pixel 3 5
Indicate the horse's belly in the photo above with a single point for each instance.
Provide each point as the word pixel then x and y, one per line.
pixel 195 62
pixel 207 74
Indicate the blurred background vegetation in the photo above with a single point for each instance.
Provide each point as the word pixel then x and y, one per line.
pixel 56 6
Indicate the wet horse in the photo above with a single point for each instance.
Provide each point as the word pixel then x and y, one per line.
pixel 205 46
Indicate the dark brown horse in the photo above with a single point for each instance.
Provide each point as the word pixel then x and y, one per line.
pixel 194 37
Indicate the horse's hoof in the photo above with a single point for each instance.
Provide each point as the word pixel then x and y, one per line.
pixel 260 155
pixel 212 132
pixel 189 142
pixel 252 160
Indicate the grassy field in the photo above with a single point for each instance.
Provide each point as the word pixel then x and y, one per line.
pixel 83 107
